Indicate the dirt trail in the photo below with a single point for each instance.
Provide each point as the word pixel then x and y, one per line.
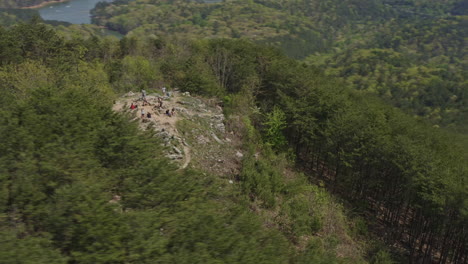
pixel 188 157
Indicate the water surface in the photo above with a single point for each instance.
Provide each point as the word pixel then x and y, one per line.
pixel 74 11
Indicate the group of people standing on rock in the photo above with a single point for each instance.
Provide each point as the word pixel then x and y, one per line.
pixel 159 105
pixel 148 115
pixel 170 113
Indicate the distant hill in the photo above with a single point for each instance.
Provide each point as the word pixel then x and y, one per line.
pixel 411 53
pixel 9 16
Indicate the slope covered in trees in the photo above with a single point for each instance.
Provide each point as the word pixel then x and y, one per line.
pixel 408 175
pixel 9 16
pixel 411 53
pixel 65 155
pixel 418 66
pixel 81 184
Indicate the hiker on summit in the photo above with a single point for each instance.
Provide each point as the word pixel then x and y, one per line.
pixel 143 94
pixel 164 90
pixel 132 106
pixel 160 101
pixel 142 113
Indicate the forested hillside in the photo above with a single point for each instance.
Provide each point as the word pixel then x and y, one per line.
pixel 10 17
pixel 80 183
pixel 410 53
pixel 418 65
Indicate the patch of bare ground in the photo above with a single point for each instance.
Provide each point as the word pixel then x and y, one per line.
pixel 194 136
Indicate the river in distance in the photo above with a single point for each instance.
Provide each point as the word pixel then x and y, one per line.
pixel 74 11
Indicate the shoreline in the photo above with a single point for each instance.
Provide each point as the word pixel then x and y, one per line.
pixel 43 4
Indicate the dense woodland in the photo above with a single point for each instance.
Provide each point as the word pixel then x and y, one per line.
pixel 10 17
pixel 410 53
pixel 65 154
pixel 326 124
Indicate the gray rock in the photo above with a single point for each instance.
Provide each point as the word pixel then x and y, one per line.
pixel 164 134
pixel 219 118
pixel 202 140
pixel 220 127
pixel 177 150
pixel 175 156
pixel 239 154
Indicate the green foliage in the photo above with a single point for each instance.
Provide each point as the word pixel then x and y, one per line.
pixel 304 215
pixel 83 31
pixel 419 72
pixel 21 248
pixel 9 16
pixel 37 41
pixel 365 144
pixel 275 123
pixel 315 253
pixel 138 74
pixel 197 78
pixel 411 53
pixel 261 179
pixel 382 257
pixel 85 225
pixel 87 186
pixel 66 159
